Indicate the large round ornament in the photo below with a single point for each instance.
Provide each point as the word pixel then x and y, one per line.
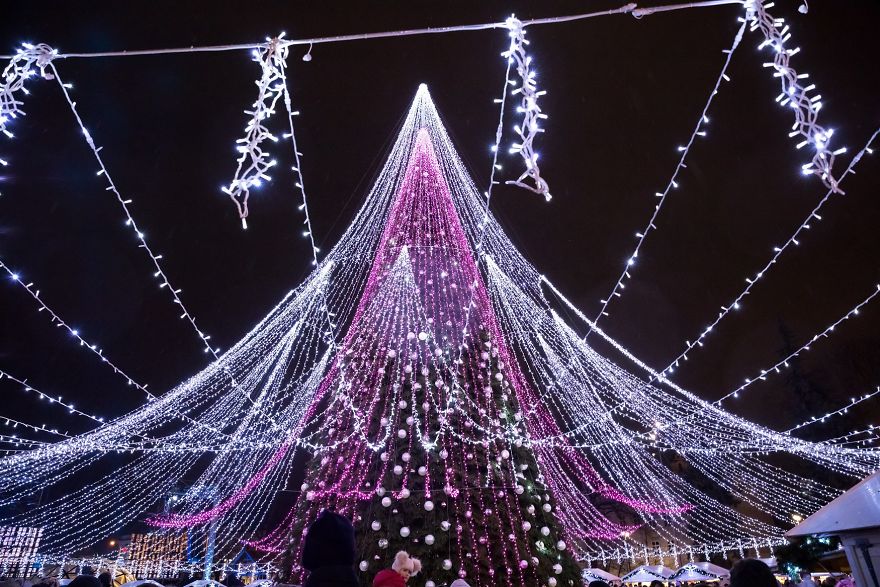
pixel 376 526
pixel 545 531
pixel 429 505
pixel 447 564
pixel 364 565
pixel 404 532
pixel 429 539
pixel 386 502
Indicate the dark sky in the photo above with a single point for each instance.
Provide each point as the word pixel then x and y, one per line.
pixel 622 94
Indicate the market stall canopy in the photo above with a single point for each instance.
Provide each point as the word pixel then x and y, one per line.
pixel 857 509
pixel 204 583
pixel 648 573
pixel 138 583
pixel 598 575
pixel 700 572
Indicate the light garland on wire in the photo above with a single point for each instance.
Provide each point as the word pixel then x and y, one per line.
pixel 792 240
pixel 794 95
pixel 254 162
pixel 51 399
pixel 852 402
pixel 699 131
pixel 805 347
pixel 529 128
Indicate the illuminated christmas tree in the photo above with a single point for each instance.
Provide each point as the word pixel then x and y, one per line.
pixel 430 453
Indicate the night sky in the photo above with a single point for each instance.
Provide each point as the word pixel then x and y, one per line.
pixel 623 93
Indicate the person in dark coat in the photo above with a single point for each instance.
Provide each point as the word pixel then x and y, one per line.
pixel 105 579
pixel 751 572
pixel 328 552
pixel 86 578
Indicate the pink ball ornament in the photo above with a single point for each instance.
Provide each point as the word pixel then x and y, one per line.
pixel 402 404
pixel 401 433
pixel 386 502
pixel 429 505
pixel 523 564
pixel 398 470
pixel 561 545
pixel 534 561
pixel 526 526
pixel 410 420
pixel 405 457
pixel 519 489
pixel 376 526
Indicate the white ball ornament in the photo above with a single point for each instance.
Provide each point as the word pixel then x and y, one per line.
pixel 376 526
pixel 410 420
pixel 423 471
pixel 534 561
pixel 429 505
pixel 405 457
pixel 547 508
pixel 402 404
pixel 401 433
pixel 426 406
pixel 444 525
pixel 505 454
pixel 392 354
pixel 386 502
pixel 429 539
pixel 310 496
pixel 304 487
pixel 364 566
pixel 444 454
pixel 423 336
pixel 447 564
pixel 557 568
pixel 519 489
pixel 411 336
pixel 380 491
pixel 545 531
pixel 383 421
pixel 404 532
pixel 398 470
pixel 404 493
pixel 430 583
pixel 551 582
pixel 526 526
pixel 561 545
pixel 384 456
pixel 531 509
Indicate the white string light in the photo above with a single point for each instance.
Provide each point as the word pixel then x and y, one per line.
pixel 673 183
pixel 792 240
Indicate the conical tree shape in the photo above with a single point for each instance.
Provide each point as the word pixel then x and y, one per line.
pixel 418 389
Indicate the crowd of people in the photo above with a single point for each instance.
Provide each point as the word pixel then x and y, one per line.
pixel 329 555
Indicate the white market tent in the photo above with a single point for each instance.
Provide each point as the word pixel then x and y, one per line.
pixel 204 583
pixel 598 575
pixel 648 573
pixel 700 572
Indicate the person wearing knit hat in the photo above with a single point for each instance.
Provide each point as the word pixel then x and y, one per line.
pixel 403 567
pixel 328 552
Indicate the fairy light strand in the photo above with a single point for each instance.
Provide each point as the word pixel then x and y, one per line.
pixel 672 184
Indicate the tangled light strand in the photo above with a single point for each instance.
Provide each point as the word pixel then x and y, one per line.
pixel 254 162
pixel 796 96
pixel 532 115
pixel 16 73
